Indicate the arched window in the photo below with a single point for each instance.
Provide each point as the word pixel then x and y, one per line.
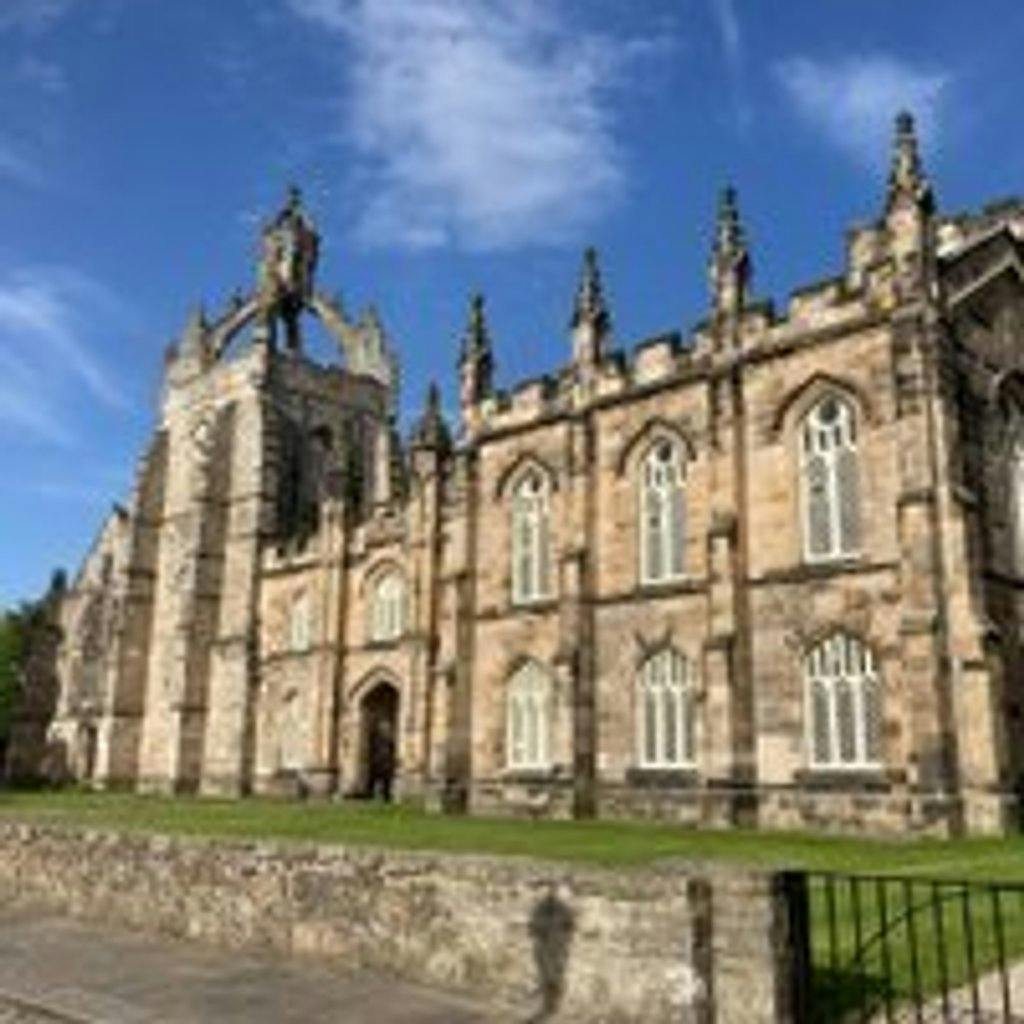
pixel 387 614
pixel 1015 483
pixel 665 718
pixel 661 513
pixel 831 492
pixel 531 539
pixel 529 718
pixel 844 701
pixel 299 622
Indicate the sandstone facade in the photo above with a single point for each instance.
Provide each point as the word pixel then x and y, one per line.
pixel 771 572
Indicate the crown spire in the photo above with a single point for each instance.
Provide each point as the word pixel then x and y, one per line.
pixel 730 259
pixel 907 180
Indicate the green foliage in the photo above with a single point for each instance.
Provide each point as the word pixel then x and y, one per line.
pixel 13 637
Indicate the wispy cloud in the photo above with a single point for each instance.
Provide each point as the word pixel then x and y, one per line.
pixel 16 166
pixel 44 75
pixel 44 357
pixel 853 101
pixel 485 123
pixel 31 15
pixel 729 30
pixel 730 34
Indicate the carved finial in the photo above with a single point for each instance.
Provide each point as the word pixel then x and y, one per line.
pixel 907 180
pixel 730 259
pixel 590 306
pixel 476 358
pixel 431 431
pixel 193 338
pixel 590 318
pixel 476 342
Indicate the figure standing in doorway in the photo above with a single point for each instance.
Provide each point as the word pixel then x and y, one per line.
pixel 382 759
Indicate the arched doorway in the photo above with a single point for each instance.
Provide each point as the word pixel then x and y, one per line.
pixel 379 739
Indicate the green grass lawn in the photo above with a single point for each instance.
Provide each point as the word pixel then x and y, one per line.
pixel 608 843
pixel 624 845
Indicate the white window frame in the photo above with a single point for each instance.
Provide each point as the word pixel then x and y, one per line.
pixel 528 719
pixel 665 681
pixel 531 538
pixel 843 661
pixel 388 607
pixel 662 482
pixel 299 625
pixel 827 441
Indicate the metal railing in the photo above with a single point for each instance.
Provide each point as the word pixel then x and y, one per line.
pixel 900 948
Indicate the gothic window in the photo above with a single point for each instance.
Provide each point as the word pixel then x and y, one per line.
pixel 844 704
pixel 528 718
pixel 662 512
pixel 830 484
pixel 665 712
pixel 299 622
pixel 531 539
pixel 387 612
pixel 1015 483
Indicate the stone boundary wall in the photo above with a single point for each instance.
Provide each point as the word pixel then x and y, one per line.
pixel 542 941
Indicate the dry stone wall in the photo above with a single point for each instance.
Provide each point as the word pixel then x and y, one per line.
pixel 554 942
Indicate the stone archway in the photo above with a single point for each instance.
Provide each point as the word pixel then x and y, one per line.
pixel 378 730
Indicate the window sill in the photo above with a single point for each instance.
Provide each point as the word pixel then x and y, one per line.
pixel 862 778
pixel 663 778
pixel 538 604
pixel 385 645
pixel 530 776
pixel 675 585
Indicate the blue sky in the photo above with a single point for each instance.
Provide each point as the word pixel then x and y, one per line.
pixel 443 146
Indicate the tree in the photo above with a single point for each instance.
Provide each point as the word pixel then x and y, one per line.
pixel 13 648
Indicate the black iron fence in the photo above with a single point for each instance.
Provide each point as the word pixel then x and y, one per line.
pixel 903 948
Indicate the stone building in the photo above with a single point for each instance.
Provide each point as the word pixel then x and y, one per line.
pixel 770 571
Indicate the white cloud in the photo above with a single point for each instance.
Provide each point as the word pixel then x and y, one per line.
pixel 853 102
pixel 44 357
pixel 482 122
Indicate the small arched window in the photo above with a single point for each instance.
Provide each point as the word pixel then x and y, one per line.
pixel 844 701
pixel 298 627
pixel 528 717
pixel 665 719
pixel 830 486
pixel 531 539
pixel 387 614
pixel 662 512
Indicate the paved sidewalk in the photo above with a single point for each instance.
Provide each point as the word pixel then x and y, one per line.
pixel 55 971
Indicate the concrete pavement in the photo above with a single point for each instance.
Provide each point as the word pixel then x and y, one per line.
pixel 57 971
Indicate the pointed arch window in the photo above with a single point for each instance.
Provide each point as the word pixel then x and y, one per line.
pixel 531 539
pixel 830 481
pixel 298 627
pixel 1015 483
pixel 662 512
pixel 528 717
pixel 387 612
pixel 665 719
pixel 844 702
